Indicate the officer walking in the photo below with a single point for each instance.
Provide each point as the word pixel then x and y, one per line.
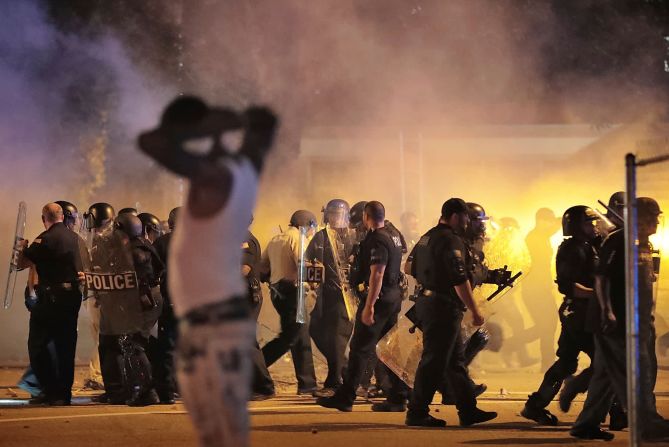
pixel 440 265
pixel 56 256
pixel 575 267
pixel 280 260
pixel 608 321
pixel 330 326
pixel 381 258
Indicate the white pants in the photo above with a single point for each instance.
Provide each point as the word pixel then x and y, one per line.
pixel 214 372
pixel 93 310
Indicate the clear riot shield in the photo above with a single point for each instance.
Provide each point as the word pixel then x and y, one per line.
pixel 309 278
pixel 112 280
pixel 13 260
pixel 341 244
pixel 506 252
pixel 401 348
pixel 639 303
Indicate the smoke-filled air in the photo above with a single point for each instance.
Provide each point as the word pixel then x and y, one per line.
pixel 408 102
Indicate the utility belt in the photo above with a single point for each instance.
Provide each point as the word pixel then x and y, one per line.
pixel 234 309
pixel 58 286
pixel 446 297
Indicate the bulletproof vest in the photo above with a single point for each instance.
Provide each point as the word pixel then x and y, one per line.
pixel 422 267
pixel 431 268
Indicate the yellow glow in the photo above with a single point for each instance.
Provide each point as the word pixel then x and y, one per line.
pixel 660 241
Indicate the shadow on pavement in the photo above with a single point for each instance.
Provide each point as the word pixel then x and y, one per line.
pixel 320 427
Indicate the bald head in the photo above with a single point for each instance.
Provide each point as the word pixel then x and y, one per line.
pixel 52 213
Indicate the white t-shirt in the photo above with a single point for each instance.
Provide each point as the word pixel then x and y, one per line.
pixel 205 256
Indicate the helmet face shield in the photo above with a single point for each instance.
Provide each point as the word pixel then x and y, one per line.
pixel 337 214
pixel 338 218
pixel 89 221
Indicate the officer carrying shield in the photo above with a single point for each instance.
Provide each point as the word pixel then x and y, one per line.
pixel 280 262
pixel 128 310
pixel 57 258
pixel 330 326
pixel 440 265
pixel 98 221
pixel 381 258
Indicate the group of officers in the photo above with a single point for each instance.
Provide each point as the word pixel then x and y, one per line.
pixel 82 259
pixel 362 260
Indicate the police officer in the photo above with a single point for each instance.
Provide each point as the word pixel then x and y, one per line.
pixel 479 274
pixel 127 321
pixel 608 321
pixel 56 256
pixel 381 257
pixel 98 220
pixel 440 266
pixel 280 261
pixel 616 209
pixel 162 359
pixel 151 226
pixel 575 267
pixel 330 326
pixel 70 214
pixel 263 385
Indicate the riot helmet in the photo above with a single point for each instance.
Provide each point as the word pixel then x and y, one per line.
pixel 616 208
pixel 574 217
pixel 70 214
pixel 355 215
pixel 303 218
pixel 477 221
pixel 98 215
pixel 336 213
pixel 132 211
pixel 150 225
pixel 172 218
pixel 129 224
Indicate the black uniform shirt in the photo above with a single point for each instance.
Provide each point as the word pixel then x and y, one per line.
pixel 575 263
pixel 440 260
pixel 56 255
pixel 382 247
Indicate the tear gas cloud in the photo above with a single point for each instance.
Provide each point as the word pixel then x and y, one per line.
pixel 502 103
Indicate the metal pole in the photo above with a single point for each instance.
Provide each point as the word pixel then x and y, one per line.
pixel 632 299
pixel 421 181
pixel 402 174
